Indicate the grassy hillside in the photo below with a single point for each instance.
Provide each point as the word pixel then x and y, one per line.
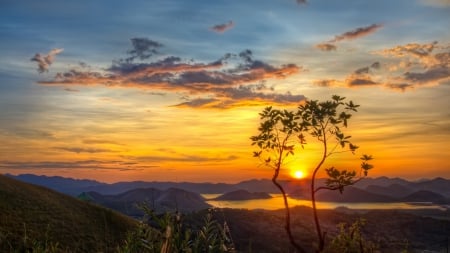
pixel 34 216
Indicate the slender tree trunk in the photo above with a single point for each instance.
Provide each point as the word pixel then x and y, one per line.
pixel 316 217
pixel 288 214
pixel 320 236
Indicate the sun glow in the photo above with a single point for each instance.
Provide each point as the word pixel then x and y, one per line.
pixel 298 174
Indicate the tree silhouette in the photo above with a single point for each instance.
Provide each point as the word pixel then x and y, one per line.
pixel 281 130
pixel 274 139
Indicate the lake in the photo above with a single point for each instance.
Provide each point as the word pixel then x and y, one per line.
pixel 276 202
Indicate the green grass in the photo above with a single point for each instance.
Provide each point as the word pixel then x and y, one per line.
pixel 34 217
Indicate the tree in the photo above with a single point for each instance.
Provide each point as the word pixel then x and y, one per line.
pixel 274 139
pixel 321 121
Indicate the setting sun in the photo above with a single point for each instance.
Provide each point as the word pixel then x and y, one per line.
pixel 299 174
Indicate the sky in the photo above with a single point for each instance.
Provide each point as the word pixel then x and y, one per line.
pixel 170 90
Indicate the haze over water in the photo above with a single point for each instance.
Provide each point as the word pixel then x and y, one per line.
pixel 276 202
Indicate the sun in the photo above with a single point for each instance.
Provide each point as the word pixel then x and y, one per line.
pixel 298 174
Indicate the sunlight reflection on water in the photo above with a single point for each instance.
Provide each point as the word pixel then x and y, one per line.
pixel 277 203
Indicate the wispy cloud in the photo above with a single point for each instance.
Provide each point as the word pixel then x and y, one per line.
pixel 350 35
pixel 71 90
pixel 418 64
pixel 415 53
pixel 229 79
pixel 357 33
pixel 243 96
pixel 44 61
pixel 409 66
pixel 143 48
pixel 221 28
pixel 100 141
pixel 185 158
pixel 83 150
pixel 361 77
pixel 326 47
pixel 435 74
pixel 75 165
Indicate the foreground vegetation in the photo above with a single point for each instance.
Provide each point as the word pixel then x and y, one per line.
pixel 37 219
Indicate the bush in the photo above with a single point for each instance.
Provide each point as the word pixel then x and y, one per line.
pixel 166 233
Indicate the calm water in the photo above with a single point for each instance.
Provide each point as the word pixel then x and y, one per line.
pixel 277 203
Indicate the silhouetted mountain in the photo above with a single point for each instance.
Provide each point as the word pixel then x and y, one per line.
pixel 393 190
pixel 437 185
pixel 352 194
pixel 68 186
pixel 211 188
pixel 381 181
pixel 30 214
pixel 257 185
pixel 391 187
pixel 128 202
pixel 425 196
pixel 243 195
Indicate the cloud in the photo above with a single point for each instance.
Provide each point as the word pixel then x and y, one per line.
pixel 415 54
pixel 417 65
pixel 359 78
pixel 326 47
pixel 251 95
pixel 143 48
pixel 375 65
pixel 360 81
pixel 400 86
pixel 44 61
pixel 410 66
pixel 327 83
pixel 301 1
pixel 364 70
pixel 351 81
pixel 432 75
pixel 184 158
pixel 413 49
pixel 99 141
pixel 71 90
pixel 75 165
pixel 221 28
pixel 350 35
pixel 357 33
pixel 83 150
pixel 222 80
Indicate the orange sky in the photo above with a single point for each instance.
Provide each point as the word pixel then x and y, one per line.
pixel 173 92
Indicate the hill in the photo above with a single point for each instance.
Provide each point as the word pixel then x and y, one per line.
pixel 128 202
pixel 393 190
pixel 426 196
pixel 352 194
pixel 64 185
pixel 243 195
pixel 34 215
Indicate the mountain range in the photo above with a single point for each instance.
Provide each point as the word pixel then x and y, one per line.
pixel 381 189
pixel 38 219
pixel 170 200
